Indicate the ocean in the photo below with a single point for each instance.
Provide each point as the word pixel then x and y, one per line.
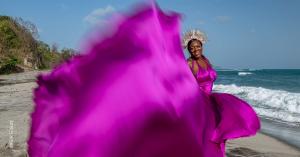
pixel 273 93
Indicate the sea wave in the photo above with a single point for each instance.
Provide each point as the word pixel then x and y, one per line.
pixel 244 73
pixel 274 104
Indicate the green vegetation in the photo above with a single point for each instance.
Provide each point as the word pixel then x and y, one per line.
pixel 20 48
pixel 10 65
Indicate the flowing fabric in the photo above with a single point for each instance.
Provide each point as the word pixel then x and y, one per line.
pixel 133 95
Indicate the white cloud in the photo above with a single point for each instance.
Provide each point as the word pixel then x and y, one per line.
pixel 97 16
pixel 223 18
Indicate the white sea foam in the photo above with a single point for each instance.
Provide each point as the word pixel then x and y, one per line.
pixel 244 73
pixel 274 104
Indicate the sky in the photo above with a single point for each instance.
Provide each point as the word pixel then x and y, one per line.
pixel 255 34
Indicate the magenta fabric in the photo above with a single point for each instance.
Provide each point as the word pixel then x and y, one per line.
pixel 133 95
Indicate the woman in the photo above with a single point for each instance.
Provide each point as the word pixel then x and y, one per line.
pixel 198 63
pixel 131 95
pixel 233 117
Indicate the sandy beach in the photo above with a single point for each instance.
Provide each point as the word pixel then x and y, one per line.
pixel 260 145
pixel 16 106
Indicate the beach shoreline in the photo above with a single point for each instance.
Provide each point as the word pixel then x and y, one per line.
pixel 260 145
pixel 16 106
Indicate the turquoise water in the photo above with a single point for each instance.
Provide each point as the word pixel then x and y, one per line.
pixel 278 79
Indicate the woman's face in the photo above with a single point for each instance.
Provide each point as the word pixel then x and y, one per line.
pixel 195 49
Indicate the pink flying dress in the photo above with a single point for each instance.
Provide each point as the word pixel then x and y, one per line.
pixel 132 94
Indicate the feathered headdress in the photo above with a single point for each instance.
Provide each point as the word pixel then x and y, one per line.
pixel 193 34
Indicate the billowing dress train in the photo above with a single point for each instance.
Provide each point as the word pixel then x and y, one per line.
pixel 132 94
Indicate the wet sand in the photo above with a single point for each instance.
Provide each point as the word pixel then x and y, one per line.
pixel 260 145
